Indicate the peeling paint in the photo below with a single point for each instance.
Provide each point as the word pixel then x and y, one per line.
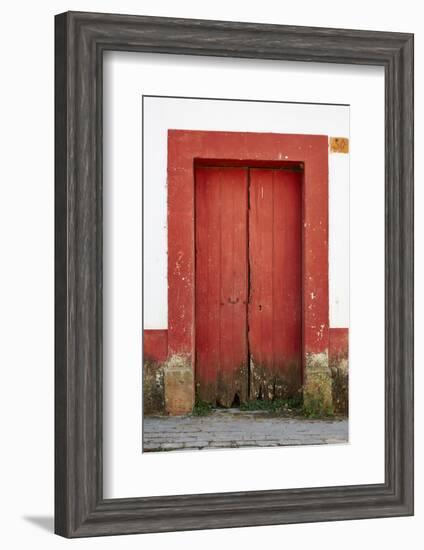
pixel 320 332
pixel 178 263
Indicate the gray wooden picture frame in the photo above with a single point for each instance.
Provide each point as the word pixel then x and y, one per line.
pixel 80 40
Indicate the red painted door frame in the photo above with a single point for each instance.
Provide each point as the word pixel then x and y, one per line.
pixel 185 148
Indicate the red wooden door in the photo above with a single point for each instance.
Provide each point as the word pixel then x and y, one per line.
pixel 221 285
pixel 248 284
pixel 275 297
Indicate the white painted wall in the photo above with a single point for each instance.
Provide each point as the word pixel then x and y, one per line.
pixel 161 114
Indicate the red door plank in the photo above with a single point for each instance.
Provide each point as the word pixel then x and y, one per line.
pixel 221 284
pixel 275 259
pixel 261 268
pixel 207 308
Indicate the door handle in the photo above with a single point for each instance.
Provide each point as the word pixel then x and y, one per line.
pixel 233 301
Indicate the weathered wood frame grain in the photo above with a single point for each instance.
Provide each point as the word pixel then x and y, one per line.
pixel 80 40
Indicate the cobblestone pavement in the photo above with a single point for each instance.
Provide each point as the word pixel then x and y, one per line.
pixel 232 429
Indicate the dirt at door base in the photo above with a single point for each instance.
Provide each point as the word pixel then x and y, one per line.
pixel 266 384
pixel 260 383
pixel 227 389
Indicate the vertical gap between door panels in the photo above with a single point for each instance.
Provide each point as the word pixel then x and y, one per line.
pixel 248 284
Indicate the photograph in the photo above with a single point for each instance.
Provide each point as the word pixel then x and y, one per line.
pixel 245 273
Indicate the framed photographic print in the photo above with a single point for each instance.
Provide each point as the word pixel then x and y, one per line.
pixel 234 274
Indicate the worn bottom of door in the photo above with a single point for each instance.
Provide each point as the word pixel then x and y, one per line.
pixel 247 284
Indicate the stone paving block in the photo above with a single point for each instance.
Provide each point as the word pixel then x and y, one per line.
pixel 228 430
